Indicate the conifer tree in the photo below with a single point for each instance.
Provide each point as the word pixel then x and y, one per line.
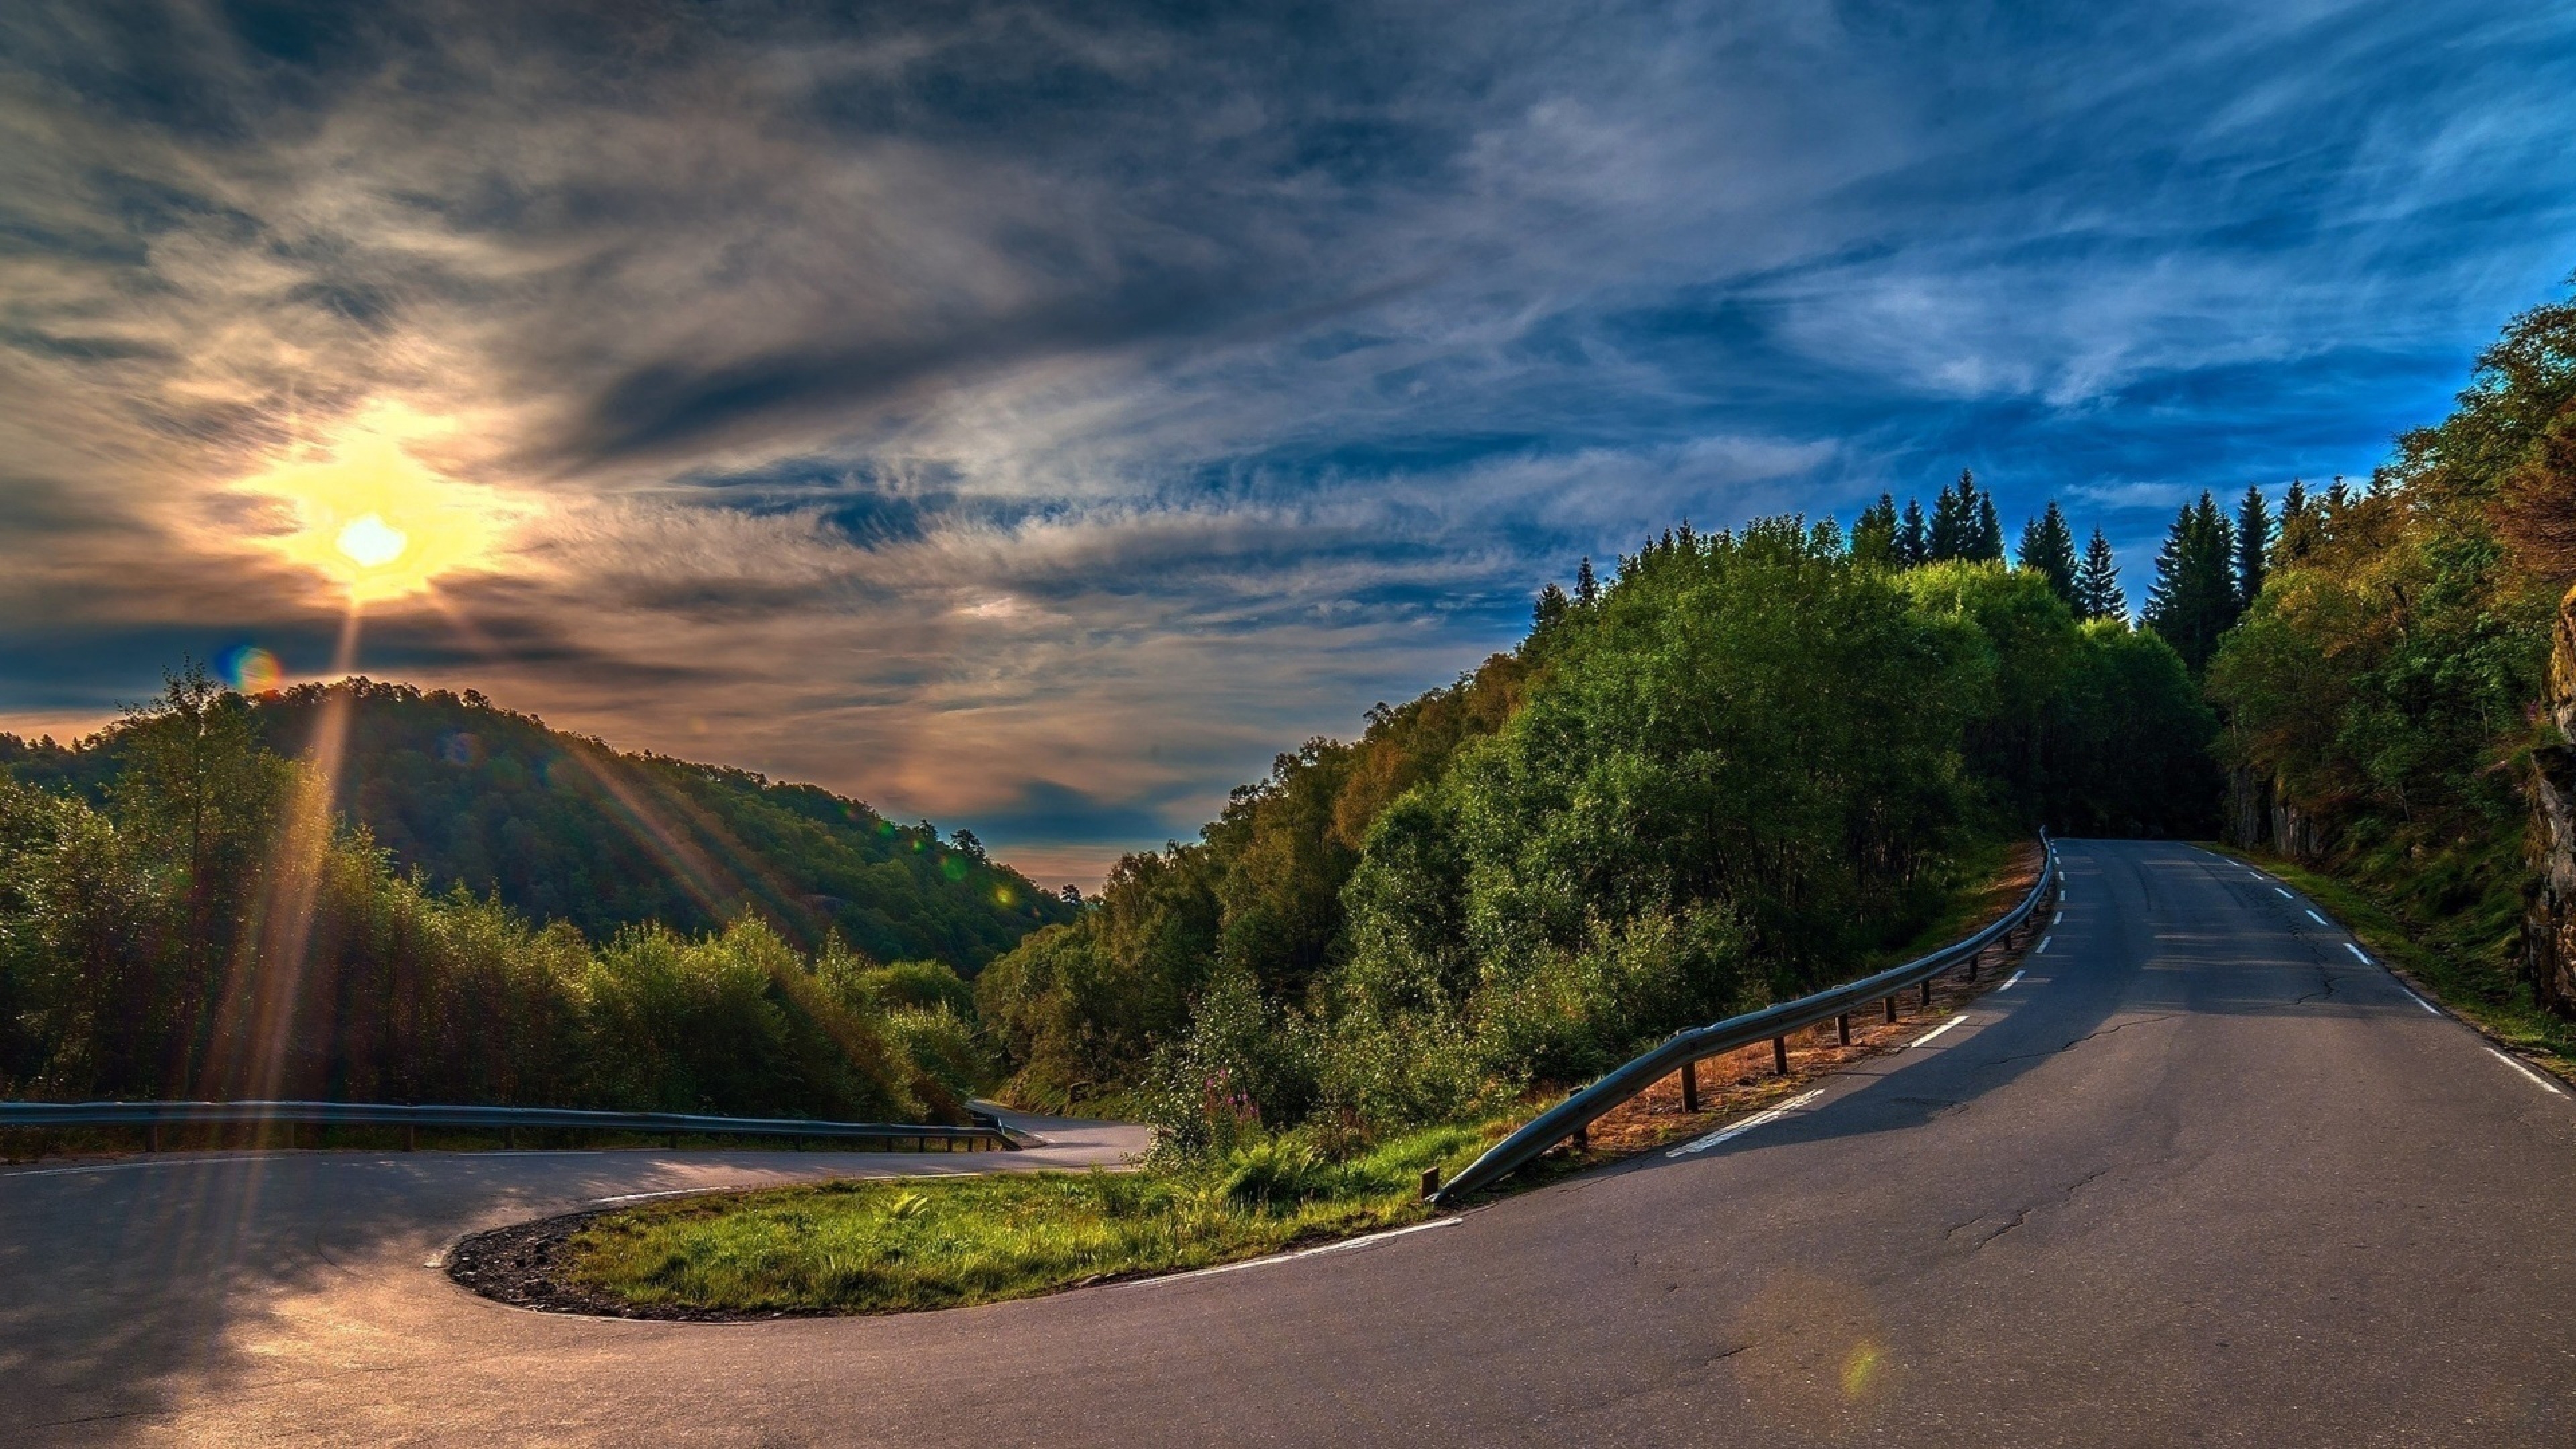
pixel 2338 497
pixel 2194 598
pixel 2300 518
pixel 1587 589
pixel 1874 537
pixel 2048 548
pixel 2097 582
pixel 1914 545
pixel 1988 545
pixel 1549 611
pixel 1954 520
pixel 2253 546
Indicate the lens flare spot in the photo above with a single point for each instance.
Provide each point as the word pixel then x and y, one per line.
pixel 1860 1369
pixel 372 543
pixel 251 669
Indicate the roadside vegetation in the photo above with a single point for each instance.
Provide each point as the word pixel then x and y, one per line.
pixel 1740 768
pixel 890 1245
pixel 2383 687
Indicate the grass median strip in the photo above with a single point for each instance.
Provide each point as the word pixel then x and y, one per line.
pixel 890 1245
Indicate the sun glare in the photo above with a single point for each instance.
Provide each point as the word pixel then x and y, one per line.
pixel 374 519
pixel 370 542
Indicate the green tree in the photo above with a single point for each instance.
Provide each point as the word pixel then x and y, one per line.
pixel 1954 521
pixel 2097 582
pixel 1876 539
pixel 2048 549
pixel 1914 541
pixel 2193 601
pixel 1988 544
pixel 2253 546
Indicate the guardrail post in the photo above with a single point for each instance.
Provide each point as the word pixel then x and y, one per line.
pixel 1973 958
pixel 1430 1181
pixel 152 1138
pixel 1842 1029
pixel 411 1137
pixel 1690 1086
pixel 1780 1055
pixel 1927 991
pixel 509 1139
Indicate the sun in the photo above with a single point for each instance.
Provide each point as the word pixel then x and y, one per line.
pixel 372 518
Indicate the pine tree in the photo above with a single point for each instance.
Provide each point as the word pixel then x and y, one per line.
pixel 1549 611
pixel 2194 598
pixel 1988 546
pixel 2339 497
pixel 2301 516
pixel 2097 582
pixel 1954 520
pixel 1914 545
pixel 1587 589
pixel 2253 545
pixel 2048 548
pixel 1874 537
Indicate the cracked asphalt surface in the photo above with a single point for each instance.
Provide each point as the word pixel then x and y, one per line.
pixel 2201 1177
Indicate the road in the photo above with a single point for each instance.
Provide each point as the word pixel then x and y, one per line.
pixel 2200 1176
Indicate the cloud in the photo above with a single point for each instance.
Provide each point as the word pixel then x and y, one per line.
pixel 962 404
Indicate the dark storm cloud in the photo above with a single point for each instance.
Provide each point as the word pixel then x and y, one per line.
pixel 953 402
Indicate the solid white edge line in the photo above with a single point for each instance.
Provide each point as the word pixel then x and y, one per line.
pixel 2420 1001
pixel 1936 1031
pixel 2537 1079
pixel 1730 1133
pixel 2358 954
pixel 2320 920
pixel 2285 895
pixel 2042 948
pixel 2009 980
pixel 1341 1247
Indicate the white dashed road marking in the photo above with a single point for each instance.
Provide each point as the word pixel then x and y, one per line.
pixel 1728 1134
pixel 2536 1078
pixel 1936 1031
pixel 2008 982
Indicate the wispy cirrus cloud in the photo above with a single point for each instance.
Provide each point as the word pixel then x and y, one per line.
pixel 1034 416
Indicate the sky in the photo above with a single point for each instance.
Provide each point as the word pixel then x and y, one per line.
pixel 1035 417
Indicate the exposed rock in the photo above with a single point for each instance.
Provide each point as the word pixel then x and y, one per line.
pixel 2549 919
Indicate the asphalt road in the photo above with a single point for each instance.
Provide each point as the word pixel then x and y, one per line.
pixel 2201 1176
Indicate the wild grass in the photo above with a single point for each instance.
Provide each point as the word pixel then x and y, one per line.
pixel 893 1245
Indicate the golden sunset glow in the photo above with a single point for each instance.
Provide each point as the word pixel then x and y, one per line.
pixel 375 520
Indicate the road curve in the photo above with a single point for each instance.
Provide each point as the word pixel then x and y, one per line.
pixel 2201 1175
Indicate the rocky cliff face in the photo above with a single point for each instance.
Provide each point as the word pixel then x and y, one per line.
pixel 2549 922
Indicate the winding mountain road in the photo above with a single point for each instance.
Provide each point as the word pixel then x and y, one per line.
pixel 2201 1175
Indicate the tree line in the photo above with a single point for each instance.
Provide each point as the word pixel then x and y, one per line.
pixel 1727 773
pixel 211 925
pixel 560 827
pixel 2382 655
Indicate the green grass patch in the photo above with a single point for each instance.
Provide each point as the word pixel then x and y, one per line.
pixel 2464 959
pixel 891 1245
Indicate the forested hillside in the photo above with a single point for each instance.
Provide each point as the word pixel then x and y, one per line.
pixel 561 827
pixel 1730 773
pixel 214 927
pixel 2383 689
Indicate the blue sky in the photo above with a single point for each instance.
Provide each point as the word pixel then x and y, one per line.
pixel 1034 417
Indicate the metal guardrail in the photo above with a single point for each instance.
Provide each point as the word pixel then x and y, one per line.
pixel 152 1117
pixel 1774 1023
